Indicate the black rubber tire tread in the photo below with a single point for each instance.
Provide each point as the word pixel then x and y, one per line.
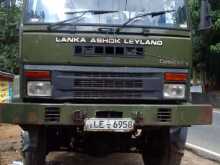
pixel 34 158
pixel 36 153
pixel 159 150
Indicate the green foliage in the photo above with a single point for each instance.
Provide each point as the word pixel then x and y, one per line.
pixel 8 57
pixel 215 44
pixel 9 20
pixel 215 49
pixel 207 44
pixel 194 6
pixel 198 57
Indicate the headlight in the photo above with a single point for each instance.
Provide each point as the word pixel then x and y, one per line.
pixel 39 88
pixel 174 91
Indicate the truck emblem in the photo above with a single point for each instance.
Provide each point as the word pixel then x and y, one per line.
pixel 100 40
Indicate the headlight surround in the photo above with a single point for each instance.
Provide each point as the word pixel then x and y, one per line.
pixel 39 88
pixel 174 91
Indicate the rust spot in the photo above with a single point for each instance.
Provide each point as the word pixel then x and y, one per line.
pixel 206 115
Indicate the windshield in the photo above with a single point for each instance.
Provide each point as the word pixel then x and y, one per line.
pixel 52 11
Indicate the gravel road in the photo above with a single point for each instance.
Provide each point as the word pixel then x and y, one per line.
pixel 10 143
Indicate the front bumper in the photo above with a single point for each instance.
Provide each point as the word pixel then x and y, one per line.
pixel 74 114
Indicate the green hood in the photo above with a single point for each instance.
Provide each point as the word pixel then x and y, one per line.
pixel 59 48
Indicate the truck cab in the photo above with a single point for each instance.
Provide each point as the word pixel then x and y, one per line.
pixel 105 76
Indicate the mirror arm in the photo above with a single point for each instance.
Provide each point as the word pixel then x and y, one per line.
pixel 205 18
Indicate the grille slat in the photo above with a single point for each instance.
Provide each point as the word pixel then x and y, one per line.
pixel 107 94
pixel 111 75
pixel 106 89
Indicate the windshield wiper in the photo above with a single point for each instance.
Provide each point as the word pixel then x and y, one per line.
pixel 152 14
pixel 83 12
pixel 95 12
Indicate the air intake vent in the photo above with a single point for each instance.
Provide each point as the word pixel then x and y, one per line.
pixel 164 115
pixel 103 50
pixel 52 114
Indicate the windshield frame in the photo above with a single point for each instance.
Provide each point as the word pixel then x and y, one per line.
pixel 188 22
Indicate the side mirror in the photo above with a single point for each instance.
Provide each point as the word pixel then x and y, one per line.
pixel 205 18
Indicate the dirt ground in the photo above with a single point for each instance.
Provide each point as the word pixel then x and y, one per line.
pixel 10 144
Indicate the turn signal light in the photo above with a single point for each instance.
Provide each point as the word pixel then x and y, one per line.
pixel 175 76
pixel 37 74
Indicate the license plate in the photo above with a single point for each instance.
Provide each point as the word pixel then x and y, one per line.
pixel 110 125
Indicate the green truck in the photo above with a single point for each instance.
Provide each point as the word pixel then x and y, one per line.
pixel 106 76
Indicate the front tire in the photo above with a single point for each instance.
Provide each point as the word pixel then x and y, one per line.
pixel 161 147
pixel 34 146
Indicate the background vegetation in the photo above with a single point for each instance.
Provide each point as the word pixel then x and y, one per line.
pixel 9 23
pixel 206 46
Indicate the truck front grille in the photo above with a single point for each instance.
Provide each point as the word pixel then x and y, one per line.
pixel 107 85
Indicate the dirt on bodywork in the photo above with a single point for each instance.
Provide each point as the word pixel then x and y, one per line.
pixel 10 151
